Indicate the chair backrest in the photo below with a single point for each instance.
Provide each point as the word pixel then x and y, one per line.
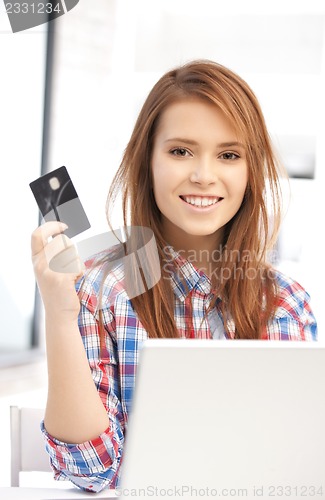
pixel 27 444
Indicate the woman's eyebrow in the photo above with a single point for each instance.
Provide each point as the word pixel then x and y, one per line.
pixel 231 144
pixel 180 139
pixel 195 143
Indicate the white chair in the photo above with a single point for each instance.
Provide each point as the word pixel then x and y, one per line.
pixel 27 444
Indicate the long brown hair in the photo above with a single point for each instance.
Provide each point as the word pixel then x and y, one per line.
pixel 248 292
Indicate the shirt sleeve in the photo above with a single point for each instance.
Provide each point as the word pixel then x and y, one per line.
pixel 294 318
pixel 94 465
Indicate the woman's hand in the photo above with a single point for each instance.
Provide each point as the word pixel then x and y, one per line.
pixel 57 267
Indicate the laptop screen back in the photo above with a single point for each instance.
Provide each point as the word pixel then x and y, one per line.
pixel 227 418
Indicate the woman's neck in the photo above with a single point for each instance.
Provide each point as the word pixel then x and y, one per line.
pixel 204 252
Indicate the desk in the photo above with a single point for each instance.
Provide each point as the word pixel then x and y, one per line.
pixel 52 494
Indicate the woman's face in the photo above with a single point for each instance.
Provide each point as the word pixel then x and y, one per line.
pixel 199 170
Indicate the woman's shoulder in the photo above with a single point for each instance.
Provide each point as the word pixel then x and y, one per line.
pixel 291 294
pixel 293 314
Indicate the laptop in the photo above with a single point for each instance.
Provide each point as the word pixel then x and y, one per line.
pixel 239 419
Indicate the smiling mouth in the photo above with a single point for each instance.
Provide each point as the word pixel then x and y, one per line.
pixel 201 201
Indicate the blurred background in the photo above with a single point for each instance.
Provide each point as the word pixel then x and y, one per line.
pixel 70 91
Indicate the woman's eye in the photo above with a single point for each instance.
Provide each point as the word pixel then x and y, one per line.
pixel 229 156
pixel 179 152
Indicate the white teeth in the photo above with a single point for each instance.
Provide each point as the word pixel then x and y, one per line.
pixel 200 201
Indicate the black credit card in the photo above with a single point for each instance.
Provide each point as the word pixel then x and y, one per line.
pixel 58 200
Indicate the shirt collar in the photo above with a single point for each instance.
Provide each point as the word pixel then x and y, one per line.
pixel 185 277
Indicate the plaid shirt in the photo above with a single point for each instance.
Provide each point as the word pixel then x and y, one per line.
pixel 95 464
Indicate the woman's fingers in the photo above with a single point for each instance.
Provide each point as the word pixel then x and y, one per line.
pixel 58 254
pixel 57 266
pixel 41 235
pixel 63 257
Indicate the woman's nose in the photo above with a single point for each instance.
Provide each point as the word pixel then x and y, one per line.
pixel 204 171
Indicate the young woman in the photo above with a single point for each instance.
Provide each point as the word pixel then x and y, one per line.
pixel 199 171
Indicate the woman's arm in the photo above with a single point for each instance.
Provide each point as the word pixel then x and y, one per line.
pixel 94 464
pixel 74 411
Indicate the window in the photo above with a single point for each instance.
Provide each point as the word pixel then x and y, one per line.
pixel 23 57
